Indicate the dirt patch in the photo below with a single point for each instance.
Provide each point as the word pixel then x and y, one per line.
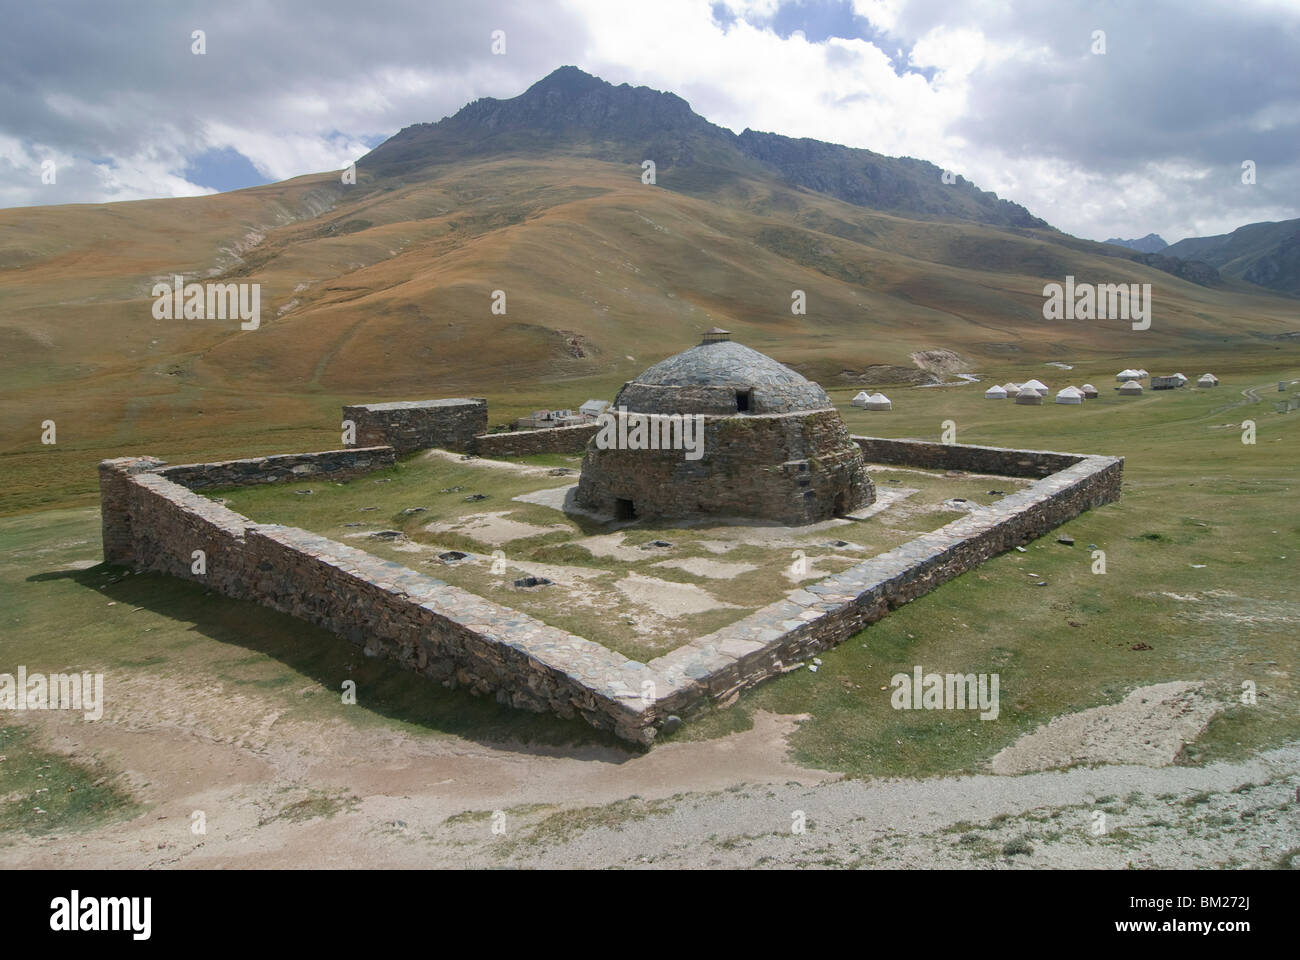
pixel 523 469
pixel 494 528
pixel 941 363
pixel 711 569
pixel 669 599
pixel 1148 727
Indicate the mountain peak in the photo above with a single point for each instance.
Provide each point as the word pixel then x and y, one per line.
pixel 571 111
pixel 1151 243
pixel 567 79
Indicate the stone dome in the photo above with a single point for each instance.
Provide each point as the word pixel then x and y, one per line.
pixel 722 378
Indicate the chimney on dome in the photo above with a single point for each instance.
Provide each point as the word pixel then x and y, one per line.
pixel 716 335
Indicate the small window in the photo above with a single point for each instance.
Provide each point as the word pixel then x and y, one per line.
pixel 743 400
pixel 624 509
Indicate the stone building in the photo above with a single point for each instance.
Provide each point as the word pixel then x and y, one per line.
pixel 771 445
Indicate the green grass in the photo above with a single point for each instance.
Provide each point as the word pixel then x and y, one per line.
pixel 43 792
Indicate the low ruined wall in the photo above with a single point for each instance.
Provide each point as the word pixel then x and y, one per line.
pixel 422 623
pixel 328 465
pixel 153 522
pixel 954 456
pixel 410 425
pixel 446 633
pixel 764 644
pixel 519 443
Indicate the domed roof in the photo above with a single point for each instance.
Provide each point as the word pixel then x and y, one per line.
pixel 721 377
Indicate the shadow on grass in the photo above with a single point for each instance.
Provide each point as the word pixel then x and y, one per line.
pixel 384 690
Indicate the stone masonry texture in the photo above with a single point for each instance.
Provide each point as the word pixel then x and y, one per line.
pixel 793 468
pixel 410 425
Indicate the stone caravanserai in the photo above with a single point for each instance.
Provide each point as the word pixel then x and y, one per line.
pixel 774 449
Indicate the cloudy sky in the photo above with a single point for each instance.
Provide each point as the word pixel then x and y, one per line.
pixel 1148 137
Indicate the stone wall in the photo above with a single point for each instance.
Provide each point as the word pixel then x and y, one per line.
pixel 720 400
pixel 410 425
pixel 115 504
pixel 519 443
pixel 956 456
pixel 814 618
pixel 424 624
pixel 794 468
pixel 328 465
pixel 152 522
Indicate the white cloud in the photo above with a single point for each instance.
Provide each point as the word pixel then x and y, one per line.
pixel 1008 95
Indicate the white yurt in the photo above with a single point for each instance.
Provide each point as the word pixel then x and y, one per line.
pixel 1028 395
pixel 1011 388
pixel 1130 374
pixel 1180 378
pixel 861 399
pixel 1207 380
pixel 995 393
pixel 1069 395
pixel 1038 385
pixel 1089 391
pixel 1130 388
pixel 878 401
pixel 1142 373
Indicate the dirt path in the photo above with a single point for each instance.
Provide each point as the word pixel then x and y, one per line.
pixel 275 792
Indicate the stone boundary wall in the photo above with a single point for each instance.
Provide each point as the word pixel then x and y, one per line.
pixel 327 465
pixel 519 443
pixel 154 522
pixel 955 456
pixel 424 624
pixel 814 618
pixel 410 425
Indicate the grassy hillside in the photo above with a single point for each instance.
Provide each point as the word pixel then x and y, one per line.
pixel 1264 253
pixel 384 291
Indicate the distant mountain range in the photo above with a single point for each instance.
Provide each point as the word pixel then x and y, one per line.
pixel 574 111
pixel 1151 243
pixel 1267 254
